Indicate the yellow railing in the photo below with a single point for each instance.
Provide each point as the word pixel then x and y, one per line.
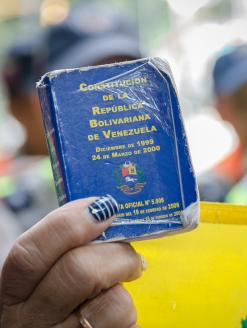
pixel 220 213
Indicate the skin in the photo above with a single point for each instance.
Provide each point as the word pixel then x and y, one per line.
pixel 236 116
pixel 54 276
pixel 26 109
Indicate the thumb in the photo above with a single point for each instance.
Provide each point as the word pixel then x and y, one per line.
pixel 97 213
pixel 35 252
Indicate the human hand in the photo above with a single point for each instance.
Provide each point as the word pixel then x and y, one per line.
pixel 54 277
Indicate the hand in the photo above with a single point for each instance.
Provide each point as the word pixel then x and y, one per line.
pixel 54 276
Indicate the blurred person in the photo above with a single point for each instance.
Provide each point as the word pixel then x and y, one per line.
pixel 54 277
pixel 227 182
pixel 91 35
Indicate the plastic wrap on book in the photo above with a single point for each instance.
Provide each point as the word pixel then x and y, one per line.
pixel 118 129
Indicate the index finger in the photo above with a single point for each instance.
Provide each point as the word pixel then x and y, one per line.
pixel 34 253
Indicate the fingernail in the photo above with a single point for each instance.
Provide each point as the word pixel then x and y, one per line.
pixel 144 264
pixel 104 208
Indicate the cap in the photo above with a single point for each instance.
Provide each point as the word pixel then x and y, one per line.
pixel 90 34
pixel 230 70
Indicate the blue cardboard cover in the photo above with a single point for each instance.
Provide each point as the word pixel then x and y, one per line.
pixel 117 129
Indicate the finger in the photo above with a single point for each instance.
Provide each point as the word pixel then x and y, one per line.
pixel 112 308
pixel 39 248
pixel 82 274
pixel 109 309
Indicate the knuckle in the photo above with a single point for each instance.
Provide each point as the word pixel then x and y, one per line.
pixel 127 303
pixel 79 268
pixel 93 276
pixel 133 262
pixel 121 295
pixel 69 265
pixel 114 306
pixel 16 317
pixel 20 256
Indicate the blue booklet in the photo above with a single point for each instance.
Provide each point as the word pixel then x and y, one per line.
pixel 117 129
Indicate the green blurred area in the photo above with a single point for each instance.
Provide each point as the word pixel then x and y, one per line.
pixel 23 16
pixel 162 31
pixel 155 18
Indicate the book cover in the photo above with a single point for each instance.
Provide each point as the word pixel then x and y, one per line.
pixel 117 129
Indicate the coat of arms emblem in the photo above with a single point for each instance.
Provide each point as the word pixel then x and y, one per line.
pixel 130 178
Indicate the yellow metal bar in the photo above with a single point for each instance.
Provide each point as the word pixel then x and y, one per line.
pixel 222 213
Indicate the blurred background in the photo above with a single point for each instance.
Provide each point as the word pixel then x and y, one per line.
pixel 188 34
pixel 196 279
